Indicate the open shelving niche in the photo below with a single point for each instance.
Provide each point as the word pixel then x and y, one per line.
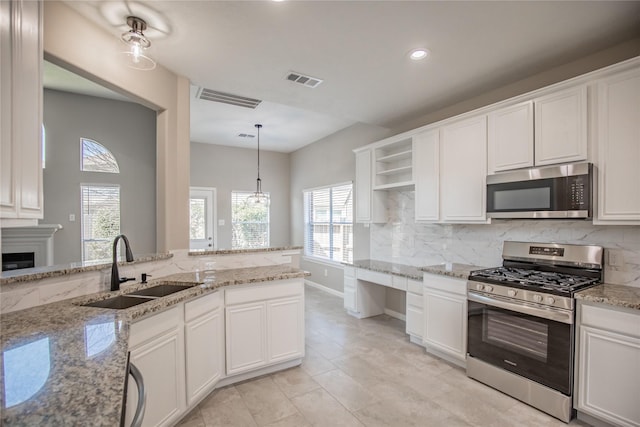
pixel 393 166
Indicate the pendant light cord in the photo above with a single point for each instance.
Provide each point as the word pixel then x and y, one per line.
pixel 259 181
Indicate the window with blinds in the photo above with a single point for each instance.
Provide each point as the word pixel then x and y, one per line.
pixel 249 222
pixel 100 220
pixel 328 223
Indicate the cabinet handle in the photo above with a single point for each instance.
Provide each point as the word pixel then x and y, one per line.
pixel 142 395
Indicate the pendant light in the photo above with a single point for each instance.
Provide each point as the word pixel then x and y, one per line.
pixel 137 42
pixel 258 198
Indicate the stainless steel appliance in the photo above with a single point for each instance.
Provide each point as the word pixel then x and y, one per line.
pixel 521 321
pixel 563 191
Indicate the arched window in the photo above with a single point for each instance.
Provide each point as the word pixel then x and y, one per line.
pixel 97 158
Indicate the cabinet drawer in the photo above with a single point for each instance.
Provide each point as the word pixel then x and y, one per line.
pixel 611 319
pixel 153 326
pixel 446 284
pixel 399 282
pixel 415 300
pixel 202 305
pixel 277 289
pixel 349 283
pixel 374 277
pixel 414 286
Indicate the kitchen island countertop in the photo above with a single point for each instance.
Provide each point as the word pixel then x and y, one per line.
pixel 65 364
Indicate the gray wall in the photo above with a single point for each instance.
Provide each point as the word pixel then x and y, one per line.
pixel 128 130
pixel 326 162
pixel 230 169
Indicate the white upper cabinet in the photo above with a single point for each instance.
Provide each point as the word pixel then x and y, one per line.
pixel 510 137
pixel 363 186
pixel 426 160
pixel 21 111
pixel 393 165
pixel 561 127
pixel 463 170
pixel 618 148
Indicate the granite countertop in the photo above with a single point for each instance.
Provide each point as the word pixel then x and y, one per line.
pixel 65 364
pixel 389 268
pixel 460 271
pixel 37 273
pixel 615 295
pixel 243 251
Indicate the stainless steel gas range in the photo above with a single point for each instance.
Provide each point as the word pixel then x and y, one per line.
pixel 521 321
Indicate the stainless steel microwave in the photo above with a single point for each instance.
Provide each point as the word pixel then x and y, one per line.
pixel 562 191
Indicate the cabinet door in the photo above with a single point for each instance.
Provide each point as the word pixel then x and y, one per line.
pixel 426 158
pixel 609 376
pixel 415 317
pixel 246 337
pixel 510 137
pixel 21 108
pixel 463 170
pixel 285 328
pixel 204 354
pixel 160 362
pixel 561 127
pixel 619 148
pixel 446 323
pixel 363 186
pixel 350 294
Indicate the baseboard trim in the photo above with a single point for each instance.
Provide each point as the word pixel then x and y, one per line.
pixel 324 288
pixel 395 314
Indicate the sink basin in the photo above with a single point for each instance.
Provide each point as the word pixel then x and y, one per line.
pixel 160 290
pixel 120 302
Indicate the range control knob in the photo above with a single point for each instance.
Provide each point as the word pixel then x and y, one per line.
pixel 550 300
pixel 537 298
pixel 512 292
pixel 488 288
pixel 479 287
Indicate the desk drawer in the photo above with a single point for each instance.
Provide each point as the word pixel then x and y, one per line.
pixel 399 282
pixel 374 277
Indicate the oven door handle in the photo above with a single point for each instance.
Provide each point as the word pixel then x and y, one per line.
pixel 557 315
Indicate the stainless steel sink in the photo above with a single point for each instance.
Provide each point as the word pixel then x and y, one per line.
pixel 160 290
pixel 119 303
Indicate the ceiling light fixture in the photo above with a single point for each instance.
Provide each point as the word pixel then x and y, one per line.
pixel 418 54
pixel 137 42
pixel 258 198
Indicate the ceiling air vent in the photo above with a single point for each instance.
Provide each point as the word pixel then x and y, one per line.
pixel 308 81
pixel 227 98
pixel 245 135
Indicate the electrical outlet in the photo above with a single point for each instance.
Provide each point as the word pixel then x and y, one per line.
pixel 221 222
pixel 326 273
pixel 616 259
pixel 72 217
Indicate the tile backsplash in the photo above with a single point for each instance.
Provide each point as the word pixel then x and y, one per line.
pixel 408 242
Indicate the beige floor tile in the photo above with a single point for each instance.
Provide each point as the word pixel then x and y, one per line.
pixel 294 381
pixel 193 419
pixel 225 408
pixel 265 401
pixel 350 393
pixel 404 412
pixel 295 420
pixel 314 363
pixel 322 409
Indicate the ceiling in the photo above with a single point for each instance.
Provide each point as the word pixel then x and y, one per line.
pixel 359 49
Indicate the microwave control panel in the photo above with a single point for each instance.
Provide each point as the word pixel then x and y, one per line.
pixel 579 191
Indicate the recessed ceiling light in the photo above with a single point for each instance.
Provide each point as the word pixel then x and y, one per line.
pixel 418 54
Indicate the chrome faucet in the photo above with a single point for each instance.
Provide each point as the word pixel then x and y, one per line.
pixel 115 277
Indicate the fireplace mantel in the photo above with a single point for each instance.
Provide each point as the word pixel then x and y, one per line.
pixel 37 239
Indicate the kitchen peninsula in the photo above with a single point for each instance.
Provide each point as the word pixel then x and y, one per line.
pixel 65 363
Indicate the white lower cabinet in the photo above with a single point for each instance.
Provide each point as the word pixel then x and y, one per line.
pixel 204 345
pixel 608 367
pixel 264 325
pixel 157 349
pixel 415 311
pixel 445 317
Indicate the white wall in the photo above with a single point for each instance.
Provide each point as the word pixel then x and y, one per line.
pixel 235 169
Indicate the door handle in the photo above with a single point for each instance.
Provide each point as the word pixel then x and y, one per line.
pixel 142 395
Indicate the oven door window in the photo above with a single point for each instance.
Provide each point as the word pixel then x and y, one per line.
pixel 533 347
pixel 536 195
